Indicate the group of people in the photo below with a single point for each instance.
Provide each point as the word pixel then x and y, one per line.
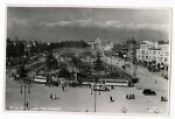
pixel 130 96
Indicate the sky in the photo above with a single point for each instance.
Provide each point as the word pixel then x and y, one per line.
pixel 64 23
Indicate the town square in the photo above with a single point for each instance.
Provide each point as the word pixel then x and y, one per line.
pixel 87 62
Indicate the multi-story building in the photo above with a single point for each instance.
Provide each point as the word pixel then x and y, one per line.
pixel 100 45
pixel 153 51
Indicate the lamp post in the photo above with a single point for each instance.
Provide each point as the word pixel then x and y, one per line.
pixel 98 67
pixel 118 64
pixel 95 98
pixel 25 89
pixel 111 62
pixel 133 56
pixel 24 85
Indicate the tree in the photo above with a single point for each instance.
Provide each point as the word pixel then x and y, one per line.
pixel 85 70
pixel 98 64
pixel 51 62
pixel 64 73
pixel 76 61
pixel 22 71
pixel 62 65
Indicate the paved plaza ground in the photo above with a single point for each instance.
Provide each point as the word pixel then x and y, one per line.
pixel 80 99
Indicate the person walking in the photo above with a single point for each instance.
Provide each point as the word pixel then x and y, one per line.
pixel 27 105
pixel 55 96
pixel 91 91
pixel 127 96
pixel 124 110
pixel 111 99
pixel 62 87
pixel 51 96
pixel 155 81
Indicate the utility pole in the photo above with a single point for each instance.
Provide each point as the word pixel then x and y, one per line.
pixel 95 99
pixel 24 95
pixel 98 67
pixel 111 61
pixel 24 84
pixel 133 56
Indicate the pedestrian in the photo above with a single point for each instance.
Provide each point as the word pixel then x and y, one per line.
pixel 62 87
pixel 124 110
pixel 127 96
pixel 155 82
pixel 133 96
pixel 51 96
pixel 91 91
pixel 55 96
pixel 112 87
pixel 99 93
pixel 27 105
pixel 111 99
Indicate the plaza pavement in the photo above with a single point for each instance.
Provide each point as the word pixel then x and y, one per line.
pixel 80 99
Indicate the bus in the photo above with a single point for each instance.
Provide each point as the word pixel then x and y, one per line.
pixel 40 79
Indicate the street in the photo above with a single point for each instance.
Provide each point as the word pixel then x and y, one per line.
pixel 79 99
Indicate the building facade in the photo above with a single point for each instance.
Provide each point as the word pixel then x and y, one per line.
pixel 100 45
pixel 153 51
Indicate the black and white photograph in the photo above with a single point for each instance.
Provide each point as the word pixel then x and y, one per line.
pixel 88 59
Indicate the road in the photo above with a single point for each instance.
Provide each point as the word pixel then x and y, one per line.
pixel 80 99
pixel 147 78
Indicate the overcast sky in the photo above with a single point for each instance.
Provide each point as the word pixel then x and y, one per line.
pixel 56 24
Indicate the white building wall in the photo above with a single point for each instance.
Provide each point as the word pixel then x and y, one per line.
pixel 147 53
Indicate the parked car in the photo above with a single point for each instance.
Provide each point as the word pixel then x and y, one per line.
pixel 164 99
pixel 149 92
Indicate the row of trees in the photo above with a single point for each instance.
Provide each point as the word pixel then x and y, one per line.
pixel 69 44
pixel 83 70
pixel 17 49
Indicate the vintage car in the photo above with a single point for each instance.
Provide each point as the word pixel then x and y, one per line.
pixel 149 92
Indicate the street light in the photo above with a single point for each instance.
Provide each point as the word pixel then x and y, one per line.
pixel 24 84
pixel 98 67
pixel 25 89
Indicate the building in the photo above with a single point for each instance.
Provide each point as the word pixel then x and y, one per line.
pixel 153 51
pixel 99 45
pixel 108 46
pixel 131 52
pixel 96 44
pixel 127 49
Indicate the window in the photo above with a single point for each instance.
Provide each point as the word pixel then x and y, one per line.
pixel 154 58
pixel 158 52
pixel 146 52
pixel 154 52
pixel 143 52
pixel 150 52
pixel 166 53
